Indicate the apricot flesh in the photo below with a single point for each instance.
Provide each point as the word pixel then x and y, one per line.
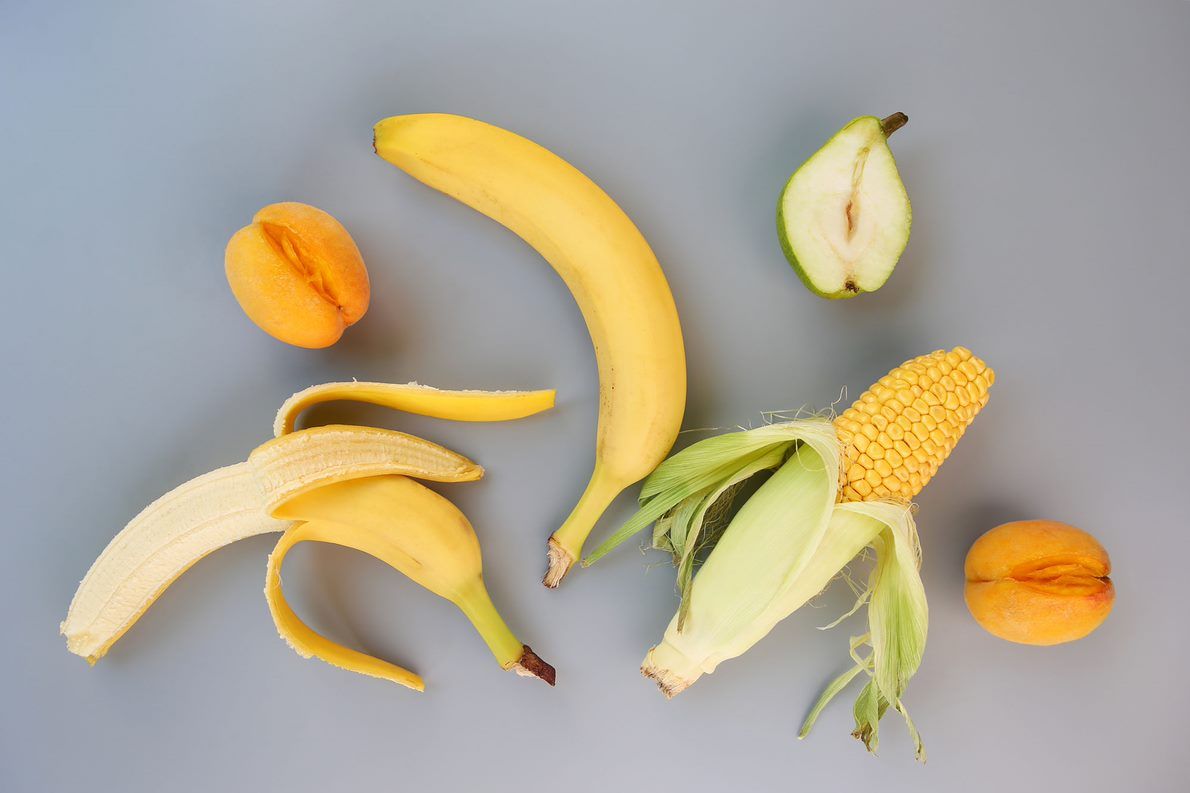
pixel 298 275
pixel 1038 582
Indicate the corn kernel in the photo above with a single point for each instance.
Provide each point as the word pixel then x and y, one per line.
pixel 902 428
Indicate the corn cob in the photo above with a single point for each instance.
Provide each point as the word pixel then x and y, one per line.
pixel 899 432
pixel 838 487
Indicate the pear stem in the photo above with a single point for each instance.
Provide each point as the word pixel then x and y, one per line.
pixel 893 123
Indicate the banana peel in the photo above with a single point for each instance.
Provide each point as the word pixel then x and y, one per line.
pixel 413 530
pixel 346 485
pixel 422 400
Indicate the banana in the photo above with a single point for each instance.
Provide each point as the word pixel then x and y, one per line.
pixel 229 504
pixel 415 531
pixel 609 268
pixel 330 470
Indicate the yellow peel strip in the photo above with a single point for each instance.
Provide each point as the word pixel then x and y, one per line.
pixel 419 399
pixel 303 639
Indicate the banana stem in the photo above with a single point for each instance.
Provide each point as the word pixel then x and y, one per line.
pixel 505 646
pixel 566 544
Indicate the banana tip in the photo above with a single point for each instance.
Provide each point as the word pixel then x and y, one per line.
pixel 531 664
pixel 560 562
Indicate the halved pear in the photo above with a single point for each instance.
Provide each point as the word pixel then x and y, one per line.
pixel 844 216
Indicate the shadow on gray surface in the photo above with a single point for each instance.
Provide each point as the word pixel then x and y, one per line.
pixel 979 517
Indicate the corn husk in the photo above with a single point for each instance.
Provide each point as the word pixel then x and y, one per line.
pixel 783 546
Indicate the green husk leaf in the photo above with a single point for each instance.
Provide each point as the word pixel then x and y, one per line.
pixel 860 601
pixel 661 532
pixel 897 612
pixel 711 453
pixel 897 621
pixel 828 693
pixel 681 518
pixel 693 537
pixel 836 685
pixel 919 748
pixel 702 466
pixel 869 710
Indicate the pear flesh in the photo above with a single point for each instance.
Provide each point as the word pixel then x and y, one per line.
pixel 844 216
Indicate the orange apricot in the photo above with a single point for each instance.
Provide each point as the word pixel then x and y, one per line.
pixel 298 275
pixel 1038 582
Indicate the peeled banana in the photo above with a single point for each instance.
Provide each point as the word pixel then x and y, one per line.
pixel 606 263
pixel 342 484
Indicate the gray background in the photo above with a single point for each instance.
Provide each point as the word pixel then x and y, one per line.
pixel 1046 160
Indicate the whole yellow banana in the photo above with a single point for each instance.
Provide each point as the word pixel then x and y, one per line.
pixel 609 268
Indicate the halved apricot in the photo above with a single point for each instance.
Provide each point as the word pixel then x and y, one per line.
pixel 1038 582
pixel 298 275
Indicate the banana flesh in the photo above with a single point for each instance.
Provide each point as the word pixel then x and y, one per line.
pixel 339 472
pixel 293 464
pixel 156 547
pixel 609 268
